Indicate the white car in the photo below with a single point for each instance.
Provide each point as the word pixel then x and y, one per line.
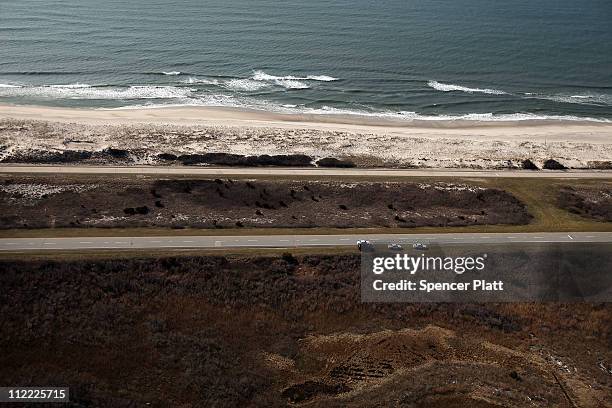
pixel 395 247
pixel 419 246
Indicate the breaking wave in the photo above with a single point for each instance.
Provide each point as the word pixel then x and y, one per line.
pixel 292 109
pixel 260 80
pixel 244 85
pixel 71 86
pixel 262 76
pixel 205 81
pixel 291 81
pixel 172 73
pixel 438 86
pixel 82 91
pixel 598 100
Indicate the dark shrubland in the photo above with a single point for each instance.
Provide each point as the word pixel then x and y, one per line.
pixel 529 165
pixel 269 331
pixel 126 202
pixel 552 164
pixel 595 203
pixel 333 162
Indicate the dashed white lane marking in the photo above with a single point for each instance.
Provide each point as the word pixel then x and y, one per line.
pixel 345 239
pixel 539 237
pixel 156 242
pixel 283 240
pixel 511 237
pixel 569 236
pixel 11 243
pixel 188 241
pixel 85 242
pixel 49 243
pixel 251 240
pixel 590 236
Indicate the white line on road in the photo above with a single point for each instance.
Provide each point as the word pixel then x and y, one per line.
pixel 301 171
pixel 284 241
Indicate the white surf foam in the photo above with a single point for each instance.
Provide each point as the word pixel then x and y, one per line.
pixel 262 76
pixel 452 88
pixel 205 81
pixel 593 99
pixel 287 82
pixel 71 86
pixel 106 93
pixel 260 80
pixel 291 84
pixel 9 86
pixel 322 78
pixel 266 106
pixel 172 73
pixel 244 85
pixel 291 81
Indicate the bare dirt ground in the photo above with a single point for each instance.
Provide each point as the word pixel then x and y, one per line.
pixel 589 202
pixel 198 331
pixel 85 201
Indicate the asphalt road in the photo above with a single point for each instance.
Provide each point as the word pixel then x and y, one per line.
pixel 279 171
pixel 287 241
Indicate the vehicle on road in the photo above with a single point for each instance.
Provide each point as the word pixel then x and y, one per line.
pixel 419 246
pixel 365 245
pixel 395 247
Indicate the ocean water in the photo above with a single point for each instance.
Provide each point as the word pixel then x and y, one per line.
pixel 434 59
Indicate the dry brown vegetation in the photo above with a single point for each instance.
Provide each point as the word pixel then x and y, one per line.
pixel 589 202
pixel 285 330
pixel 48 201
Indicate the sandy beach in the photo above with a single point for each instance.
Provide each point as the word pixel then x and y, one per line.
pixel 366 141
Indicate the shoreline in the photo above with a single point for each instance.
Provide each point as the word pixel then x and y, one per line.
pixel 230 116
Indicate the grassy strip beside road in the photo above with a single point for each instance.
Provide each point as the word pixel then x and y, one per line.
pixel 539 195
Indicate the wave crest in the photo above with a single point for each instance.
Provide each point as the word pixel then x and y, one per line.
pixel 244 85
pixel 71 86
pixel 88 92
pixel 596 100
pixel 438 86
